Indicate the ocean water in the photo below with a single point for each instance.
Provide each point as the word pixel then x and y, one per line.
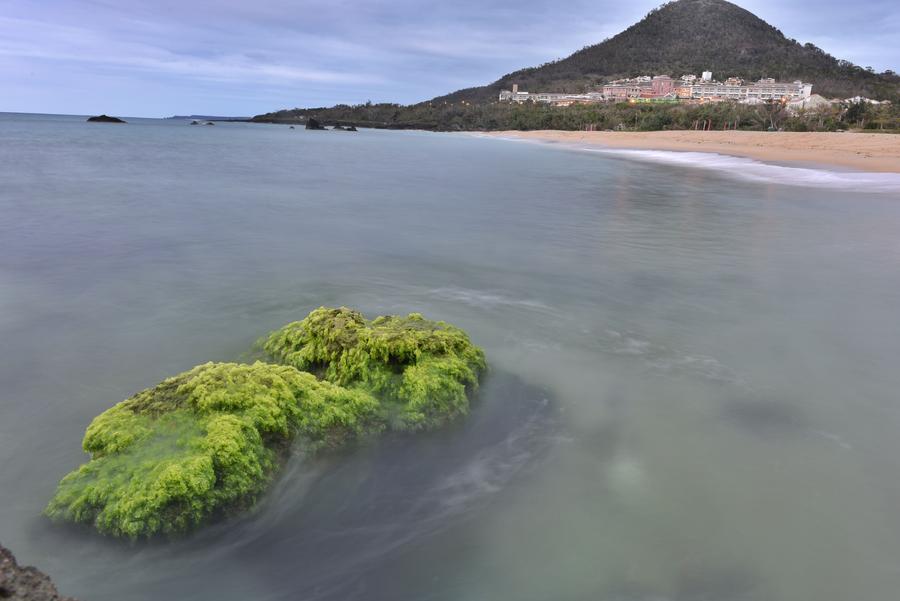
pixel 694 384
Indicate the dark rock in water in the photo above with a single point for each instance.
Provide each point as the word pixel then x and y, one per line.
pixel 25 583
pixel 105 119
pixel 209 123
pixel 765 418
pixel 339 128
pixel 313 124
pixel 195 123
pixel 292 127
pixel 350 128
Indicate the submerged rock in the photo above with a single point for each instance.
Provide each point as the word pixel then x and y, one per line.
pixel 25 583
pixel 207 442
pixel 105 119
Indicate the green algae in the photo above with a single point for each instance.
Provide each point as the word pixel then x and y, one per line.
pixel 207 442
pixel 423 371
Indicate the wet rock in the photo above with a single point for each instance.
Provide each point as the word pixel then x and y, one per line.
pixel 313 124
pixel 105 119
pixel 19 583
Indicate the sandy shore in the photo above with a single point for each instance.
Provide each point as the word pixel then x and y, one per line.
pixel 865 152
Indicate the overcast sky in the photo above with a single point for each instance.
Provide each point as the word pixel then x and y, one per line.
pixel 233 57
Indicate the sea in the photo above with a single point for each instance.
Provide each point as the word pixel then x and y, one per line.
pixel 693 385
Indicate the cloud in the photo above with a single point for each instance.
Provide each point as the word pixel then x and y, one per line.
pixel 70 44
pixel 158 58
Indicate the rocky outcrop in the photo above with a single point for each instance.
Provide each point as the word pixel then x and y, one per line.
pixel 105 119
pixel 313 124
pixel 19 583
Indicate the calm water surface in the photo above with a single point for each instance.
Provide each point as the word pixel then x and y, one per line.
pixel 694 393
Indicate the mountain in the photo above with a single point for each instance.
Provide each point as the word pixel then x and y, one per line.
pixel 691 36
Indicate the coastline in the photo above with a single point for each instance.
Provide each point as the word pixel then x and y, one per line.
pixel 857 151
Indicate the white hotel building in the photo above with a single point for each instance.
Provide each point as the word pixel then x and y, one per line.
pixel 734 89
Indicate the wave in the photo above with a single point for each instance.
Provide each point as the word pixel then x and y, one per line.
pixel 487 300
pixel 662 360
pixel 758 171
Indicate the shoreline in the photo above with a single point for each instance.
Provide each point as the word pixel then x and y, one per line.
pixel 878 153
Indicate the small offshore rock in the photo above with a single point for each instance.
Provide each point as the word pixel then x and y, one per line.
pixel 105 119
pixel 25 583
pixel 313 124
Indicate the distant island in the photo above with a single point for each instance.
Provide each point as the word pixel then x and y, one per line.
pixel 105 119
pixel 678 46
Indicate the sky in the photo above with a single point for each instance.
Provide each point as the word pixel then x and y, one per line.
pixel 158 58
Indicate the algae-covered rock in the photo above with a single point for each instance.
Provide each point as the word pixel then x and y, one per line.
pixel 208 441
pixel 421 370
pixel 201 443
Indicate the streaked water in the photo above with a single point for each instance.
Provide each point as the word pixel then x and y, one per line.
pixel 694 386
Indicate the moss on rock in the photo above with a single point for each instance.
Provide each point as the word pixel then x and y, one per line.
pixel 201 443
pixel 423 371
pixel 208 441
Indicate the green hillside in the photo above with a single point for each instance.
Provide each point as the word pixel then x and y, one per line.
pixel 691 36
pixel 686 36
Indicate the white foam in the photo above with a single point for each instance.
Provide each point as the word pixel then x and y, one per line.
pixel 753 170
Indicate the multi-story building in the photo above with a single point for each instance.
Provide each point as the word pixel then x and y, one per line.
pixel 663 87
pixel 515 95
pixel 769 89
pixel 623 89
pixel 714 90
pixel 734 89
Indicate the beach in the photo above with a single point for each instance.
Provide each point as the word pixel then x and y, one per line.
pixel 861 151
